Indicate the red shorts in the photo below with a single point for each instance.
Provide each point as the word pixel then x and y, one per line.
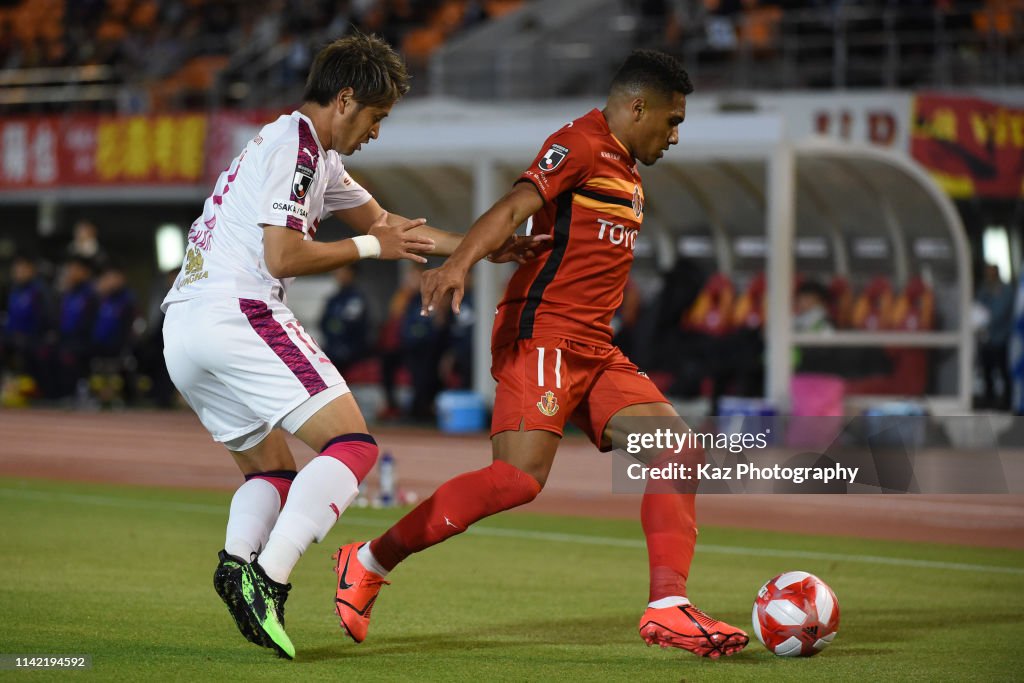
pixel 542 383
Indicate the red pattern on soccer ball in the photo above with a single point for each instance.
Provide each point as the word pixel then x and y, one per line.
pixel 795 614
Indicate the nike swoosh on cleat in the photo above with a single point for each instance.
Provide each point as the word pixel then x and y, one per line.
pixel 361 612
pixel 342 583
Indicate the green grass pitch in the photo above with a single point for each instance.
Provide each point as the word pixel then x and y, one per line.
pixel 124 575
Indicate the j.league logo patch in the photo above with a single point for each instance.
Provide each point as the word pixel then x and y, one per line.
pixel 552 158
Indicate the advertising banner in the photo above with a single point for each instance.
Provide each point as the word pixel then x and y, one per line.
pixel 971 147
pixel 46 152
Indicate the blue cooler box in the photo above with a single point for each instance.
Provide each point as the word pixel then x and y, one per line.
pixel 461 412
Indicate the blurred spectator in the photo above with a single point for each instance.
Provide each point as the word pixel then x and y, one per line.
pixel 153 379
pixel 116 313
pixel 389 345
pixel 113 337
pixel 811 306
pixel 85 243
pixel 997 298
pixel 345 321
pixel 458 357
pixel 422 339
pixel 77 315
pixel 28 320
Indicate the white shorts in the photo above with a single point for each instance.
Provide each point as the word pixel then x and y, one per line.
pixel 246 366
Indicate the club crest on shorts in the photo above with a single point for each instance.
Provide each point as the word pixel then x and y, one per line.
pixel 548 404
pixel 552 158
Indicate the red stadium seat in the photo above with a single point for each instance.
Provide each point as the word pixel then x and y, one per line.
pixel 840 302
pixel 749 309
pixel 872 310
pixel 914 308
pixel 711 313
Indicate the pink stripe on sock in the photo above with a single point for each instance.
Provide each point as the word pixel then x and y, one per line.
pixel 358 452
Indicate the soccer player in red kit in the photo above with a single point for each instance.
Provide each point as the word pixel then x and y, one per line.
pixel 553 358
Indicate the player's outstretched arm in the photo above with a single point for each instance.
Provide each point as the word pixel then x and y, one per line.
pixel 361 218
pixel 518 249
pixel 486 236
pixel 287 254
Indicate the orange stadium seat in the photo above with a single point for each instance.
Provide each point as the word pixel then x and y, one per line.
pixel 759 27
pixel 711 313
pixel 499 8
pixel 749 309
pixel 1001 17
pixel 872 309
pixel 197 75
pixel 914 308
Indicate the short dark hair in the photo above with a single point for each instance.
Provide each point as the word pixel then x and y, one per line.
pixel 652 70
pixel 815 289
pixel 367 64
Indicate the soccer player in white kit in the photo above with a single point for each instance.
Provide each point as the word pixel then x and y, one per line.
pixel 238 355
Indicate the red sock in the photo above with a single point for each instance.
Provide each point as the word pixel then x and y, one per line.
pixel 458 503
pixel 670 525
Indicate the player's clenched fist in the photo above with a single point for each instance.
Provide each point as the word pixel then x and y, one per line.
pixel 396 240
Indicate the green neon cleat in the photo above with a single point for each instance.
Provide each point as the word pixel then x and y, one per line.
pixel 227 581
pixel 261 604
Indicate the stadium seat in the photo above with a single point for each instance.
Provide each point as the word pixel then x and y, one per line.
pixel 711 313
pixel 749 309
pixel 914 308
pixel 872 310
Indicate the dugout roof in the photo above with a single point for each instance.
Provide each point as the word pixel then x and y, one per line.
pixel 735 190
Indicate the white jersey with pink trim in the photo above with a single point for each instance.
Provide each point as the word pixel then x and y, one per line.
pixel 282 177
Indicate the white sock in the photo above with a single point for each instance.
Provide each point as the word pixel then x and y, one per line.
pixel 254 509
pixel 319 494
pixel 670 601
pixel 366 558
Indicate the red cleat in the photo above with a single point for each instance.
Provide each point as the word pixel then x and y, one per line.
pixel 357 591
pixel 686 627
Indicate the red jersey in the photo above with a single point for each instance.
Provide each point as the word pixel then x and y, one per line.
pixel 594 205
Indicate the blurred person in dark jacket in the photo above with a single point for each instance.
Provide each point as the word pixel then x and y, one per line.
pixel 28 320
pixel 345 321
pixel 113 336
pixel 75 320
pixel 997 298
pixel 422 339
pixel 112 332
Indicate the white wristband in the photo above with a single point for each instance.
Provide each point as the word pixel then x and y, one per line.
pixel 368 246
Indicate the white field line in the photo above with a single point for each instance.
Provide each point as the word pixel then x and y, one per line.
pixel 579 539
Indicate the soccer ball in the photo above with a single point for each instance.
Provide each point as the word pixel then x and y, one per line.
pixel 796 614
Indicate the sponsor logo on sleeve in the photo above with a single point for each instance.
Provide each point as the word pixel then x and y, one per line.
pixel 553 158
pixel 290 208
